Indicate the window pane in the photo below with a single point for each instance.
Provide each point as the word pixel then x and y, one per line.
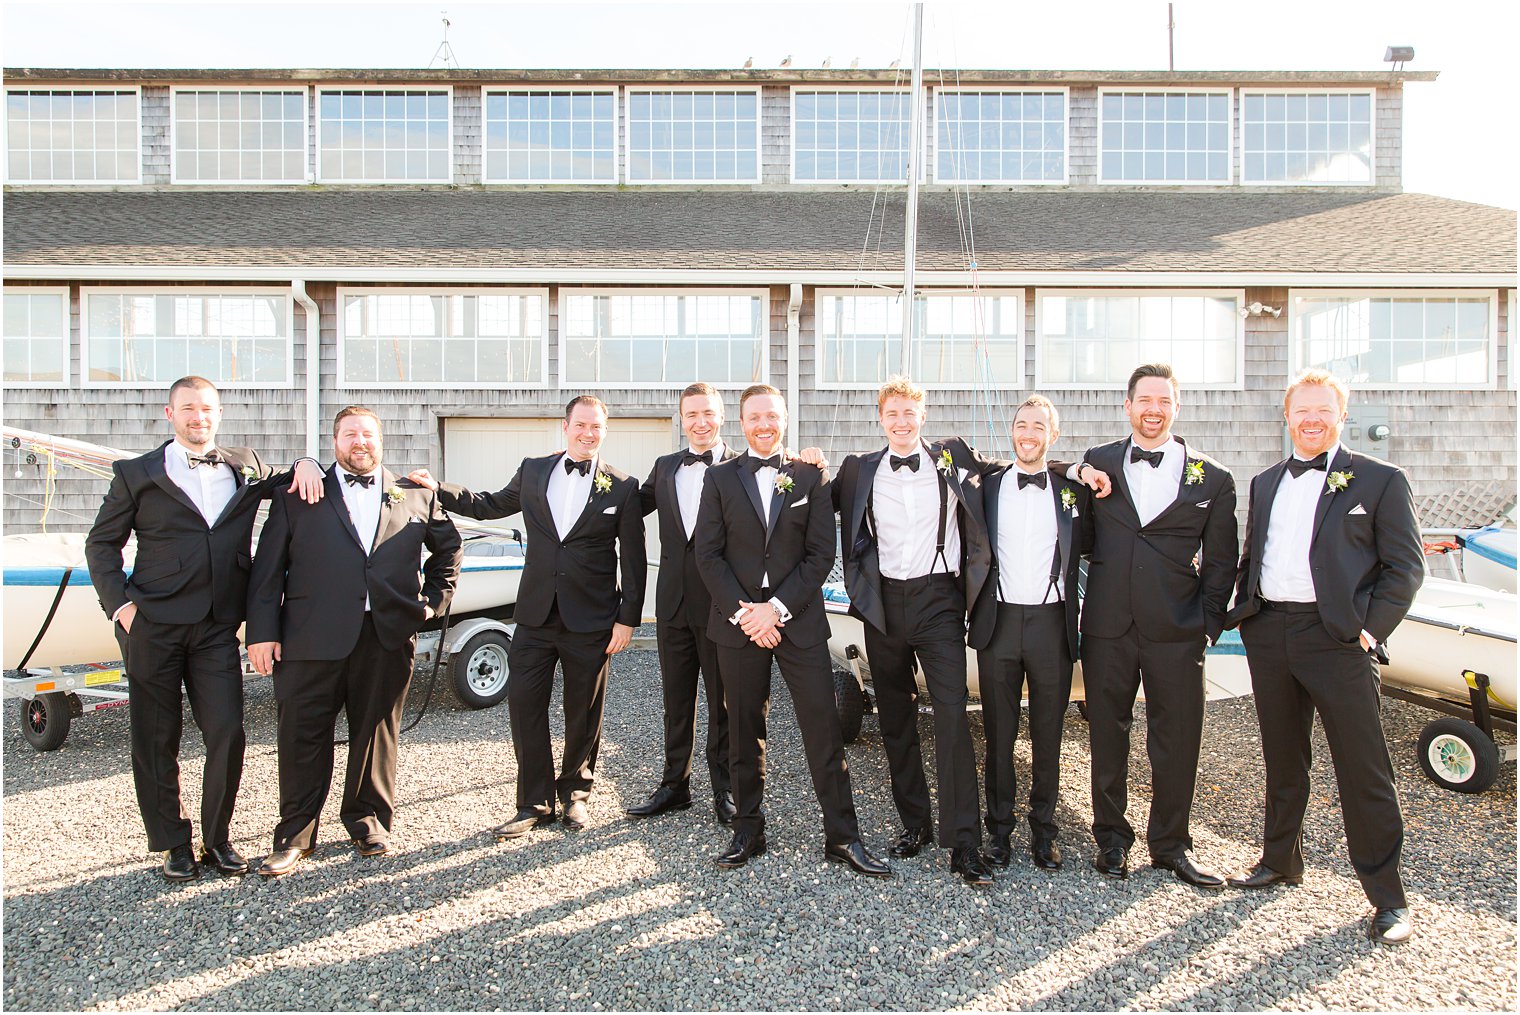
pixel 1165 137
pixel 71 135
pixel 1100 339
pixel 1377 339
pixel 701 136
pixel 433 338
pixel 36 340
pixel 858 137
pixel 981 139
pixel 387 134
pixel 961 339
pixel 1308 137
pixel 240 136
pixel 654 337
pixel 230 337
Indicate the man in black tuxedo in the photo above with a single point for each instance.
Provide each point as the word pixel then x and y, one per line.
pixel 1158 586
pixel 334 607
pixel 914 551
pixel 765 544
pixel 1024 625
pixel 192 505
pixel 1331 564
pixel 682 606
pixel 584 522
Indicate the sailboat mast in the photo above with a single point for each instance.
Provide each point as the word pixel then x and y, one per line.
pixel 915 147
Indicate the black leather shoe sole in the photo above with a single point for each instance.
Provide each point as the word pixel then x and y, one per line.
pixel 371 847
pixel 1191 875
pixel 230 870
pixel 517 829
pixel 645 811
pixel 1255 880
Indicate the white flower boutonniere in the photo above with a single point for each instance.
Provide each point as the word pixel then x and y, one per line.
pixel 1192 473
pixel 1068 498
pixel 249 474
pixel 395 494
pixel 603 482
pixel 945 464
pixel 1338 481
pixel 784 483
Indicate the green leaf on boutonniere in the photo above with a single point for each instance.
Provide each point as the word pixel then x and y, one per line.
pixel 1338 481
pixel 249 474
pixel 784 483
pixel 395 494
pixel 1068 498
pixel 946 464
pixel 603 482
pixel 1192 473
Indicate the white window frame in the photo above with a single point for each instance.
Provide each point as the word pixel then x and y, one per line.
pixel 626 138
pixel 448 91
pixel 1063 91
pixel 441 385
pixel 1041 383
pixel 1014 383
pixel 1232 172
pixel 179 290
pixel 1295 353
pixel 62 292
pixel 1240 154
pixel 485 151
pixel 924 147
pixel 565 292
pixel 137 162
pixel 306 162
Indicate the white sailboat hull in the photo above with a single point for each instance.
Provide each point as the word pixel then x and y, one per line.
pixel 1456 626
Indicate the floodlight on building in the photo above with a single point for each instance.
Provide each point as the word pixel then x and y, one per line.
pixel 1257 309
pixel 1398 56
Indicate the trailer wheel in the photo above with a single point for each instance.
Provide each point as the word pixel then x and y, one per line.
pixel 45 720
pixel 1456 755
pixel 480 669
pixel 850 703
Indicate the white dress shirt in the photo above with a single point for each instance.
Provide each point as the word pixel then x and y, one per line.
pixel 1026 543
pixel 363 503
pixel 765 479
pixel 569 493
pixel 1154 489
pixel 209 487
pixel 689 476
pixel 905 506
pixel 1285 574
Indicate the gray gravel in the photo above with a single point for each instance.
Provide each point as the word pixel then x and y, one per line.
pixel 633 915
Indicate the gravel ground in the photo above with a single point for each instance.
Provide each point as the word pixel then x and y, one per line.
pixel 633 915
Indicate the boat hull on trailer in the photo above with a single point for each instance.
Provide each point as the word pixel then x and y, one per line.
pixel 1452 627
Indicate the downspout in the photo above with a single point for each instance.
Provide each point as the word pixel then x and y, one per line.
pixel 793 345
pixel 313 368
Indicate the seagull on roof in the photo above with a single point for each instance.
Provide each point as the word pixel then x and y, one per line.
pixel 788 61
pixel 748 63
pixel 828 62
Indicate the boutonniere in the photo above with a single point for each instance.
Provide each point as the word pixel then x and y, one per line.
pixel 1192 473
pixel 1068 498
pixel 784 483
pixel 249 474
pixel 395 494
pixel 945 463
pixel 603 482
pixel 1338 481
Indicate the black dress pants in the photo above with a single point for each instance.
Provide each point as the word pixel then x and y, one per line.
pixel 686 652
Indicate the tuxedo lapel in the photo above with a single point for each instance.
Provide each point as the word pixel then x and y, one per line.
pixel 778 500
pixel 992 490
pixel 241 485
pixel 1262 516
pixel 1183 488
pixel 667 494
pixel 865 478
pixel 153 462
pixel 1116 474
pixel 1063 522
pixel 747 480
pixel 1341 462
pixel 333 497
pixel 591 498
pixel 536 492
pixel 393 514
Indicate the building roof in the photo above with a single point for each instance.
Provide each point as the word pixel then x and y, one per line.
pixel 358 233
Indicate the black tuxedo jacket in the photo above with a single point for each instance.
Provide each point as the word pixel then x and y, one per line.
pixel 862 564
pixel 1145 575
pixel 794 544
pixel 1071 531
pixel 311 574
pixel 1366 566
pixel 677 559
pixel 579 574
pixel 185 569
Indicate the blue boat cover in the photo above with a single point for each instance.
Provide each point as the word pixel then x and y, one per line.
pixel 1498 545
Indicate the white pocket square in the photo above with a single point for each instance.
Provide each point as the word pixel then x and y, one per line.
pixel 415 521
pixel 611 510
pixel 1205 503
pixel 800 502
pixel 962 474
pixel 1358 510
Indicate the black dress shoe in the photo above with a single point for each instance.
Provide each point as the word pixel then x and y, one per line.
pixel 282 861
pixel 1113 863
pixel 1186 870
pixel 1000 853
pixel 910 842
pixel 179 864
pixel 576 817
pixel 661 800
pixel 743 846
pixel 1047 855
pixel 225 859
pixel 723 807
pixel 859 859
pixel 371 847
pixel 526 820
pixel 1390 926
pixel 1262 876
pixel 968 863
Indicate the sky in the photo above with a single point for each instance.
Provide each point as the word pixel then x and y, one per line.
pixel 1459 136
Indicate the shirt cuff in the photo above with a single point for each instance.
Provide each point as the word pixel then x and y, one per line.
pixel 782 613
pixel 123 606
pixel 1371 641
pixel 738 616
pixel 1074 473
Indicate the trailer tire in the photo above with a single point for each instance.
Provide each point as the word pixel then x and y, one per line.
pixel 479 669
pixel 45 720
pixel 1456 755
pixel 849 703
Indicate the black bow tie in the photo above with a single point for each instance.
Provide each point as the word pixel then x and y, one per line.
pixel 691 458
pixel 1139 454
pixel 571 465
pixel 756 463
pixel 364 481
pixel 1299 466
pixel 211 458
pixel 1035 478
pixel 911 461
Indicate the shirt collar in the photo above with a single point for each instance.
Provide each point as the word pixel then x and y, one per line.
pixel 780 450
pixel 177 446
pixel 1171 442
pixel 1330 455
pixel 596 461
pixel 718 451
pixel 372 472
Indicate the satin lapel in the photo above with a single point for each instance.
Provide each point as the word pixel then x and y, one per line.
pixel 1327 497
pixel 778 501
pixel 1181 496
pixel 667 493
pixel 747 480
pixel 593 500
pixel 536 492
pixel 334 497
pixel 393 514
pixel 154 464
pixel 241 485
pixel 1116 474
pixel 992 491
pixel 1063 522
pixel 865 478
pixel 953 476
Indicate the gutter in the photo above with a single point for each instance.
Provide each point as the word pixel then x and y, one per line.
pixel 313 367
pixel 794 350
